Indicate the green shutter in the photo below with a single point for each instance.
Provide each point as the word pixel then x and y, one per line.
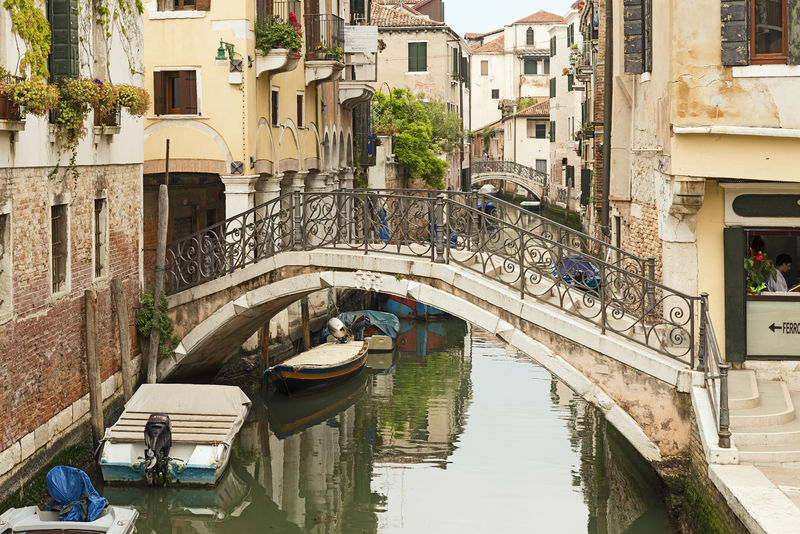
pixel 570 81
pixel 552 87
pixel 412 57
pixel 455 60
pixel 530 66
pixel 417 57
pixel 63 16
pixel 422 57
pixel 735 310
pixel 552 131
pixel 465 69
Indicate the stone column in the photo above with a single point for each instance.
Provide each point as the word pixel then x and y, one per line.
pixel 267 188
pixel 315 182
pixel 293 182
pixel 346 178
pixel 239 193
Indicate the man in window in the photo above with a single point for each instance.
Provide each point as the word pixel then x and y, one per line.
pixel 782 265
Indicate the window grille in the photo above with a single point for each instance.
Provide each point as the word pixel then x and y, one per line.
pixel 58 230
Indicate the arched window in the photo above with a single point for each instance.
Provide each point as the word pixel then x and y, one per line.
pixel 529 36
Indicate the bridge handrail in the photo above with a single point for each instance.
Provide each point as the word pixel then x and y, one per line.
pixel 715 373
pixel 510 167
pixel 537 265
pixel 518 215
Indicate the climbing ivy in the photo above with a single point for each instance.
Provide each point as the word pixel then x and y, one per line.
pixel 30 23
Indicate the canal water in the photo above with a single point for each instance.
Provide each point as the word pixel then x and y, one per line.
pixel 452 433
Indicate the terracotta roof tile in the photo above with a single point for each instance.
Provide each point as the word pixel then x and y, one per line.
pixel 540 109
pixel 543 16
pixel 386 16
pixel 498 45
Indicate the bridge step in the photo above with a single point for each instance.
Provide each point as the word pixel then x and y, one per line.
pixel 775 407
pixel 742 389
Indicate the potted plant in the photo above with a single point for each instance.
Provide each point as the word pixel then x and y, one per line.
pixel 275 34
pixel 319 52
pixel 9 110
pixel 105 104
pixel 759 269
pixel 588 130
pixel 32 96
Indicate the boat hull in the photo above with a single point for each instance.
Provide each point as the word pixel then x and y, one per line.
pixel 123 466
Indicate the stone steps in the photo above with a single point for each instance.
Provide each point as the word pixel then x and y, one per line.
pixel 775 407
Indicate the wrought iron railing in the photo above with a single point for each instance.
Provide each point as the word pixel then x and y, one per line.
pixel 535 265
pixel 715 372
pixel 276 10
pixel 325 33
pixel 509 167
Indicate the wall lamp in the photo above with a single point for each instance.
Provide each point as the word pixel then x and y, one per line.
pixel 235 64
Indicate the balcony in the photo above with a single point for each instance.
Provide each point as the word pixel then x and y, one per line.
pixel 324 47
pixel 276 12
pixel 584 62
pixel 276 60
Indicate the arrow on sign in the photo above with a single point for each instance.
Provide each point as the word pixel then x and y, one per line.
pixel 773 327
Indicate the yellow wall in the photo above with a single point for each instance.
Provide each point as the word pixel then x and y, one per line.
pixel 710 253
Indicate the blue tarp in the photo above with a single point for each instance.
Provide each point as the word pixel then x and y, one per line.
pixel 387 323
pixel 73 494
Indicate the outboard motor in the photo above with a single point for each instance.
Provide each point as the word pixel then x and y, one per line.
pixel 157 443
pixel 358 327
pixel 337 329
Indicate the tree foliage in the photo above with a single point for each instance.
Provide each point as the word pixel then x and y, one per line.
pixel 415 144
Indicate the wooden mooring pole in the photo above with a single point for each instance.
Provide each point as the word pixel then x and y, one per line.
pixel 93 367
pixel 305 322
pixel 121 305
pixel 161 254
pixel 263 341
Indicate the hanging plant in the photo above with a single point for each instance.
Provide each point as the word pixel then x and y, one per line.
pixel 29 22
pixel 135 99
pixel 35 97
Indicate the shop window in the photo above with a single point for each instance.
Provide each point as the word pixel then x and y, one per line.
pixel 175 92
pixel 100 237
pixel 59 239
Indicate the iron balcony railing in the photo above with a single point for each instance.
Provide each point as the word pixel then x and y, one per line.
pixel 533 262
pixel 509 167
pixel 276 10
pixel 325 33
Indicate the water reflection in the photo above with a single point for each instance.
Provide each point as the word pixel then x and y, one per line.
pixel 454 432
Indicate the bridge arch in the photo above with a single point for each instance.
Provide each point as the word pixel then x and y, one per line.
pixel 535 190
pixel 217 316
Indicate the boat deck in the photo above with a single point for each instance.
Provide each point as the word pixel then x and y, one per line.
pixel 327 355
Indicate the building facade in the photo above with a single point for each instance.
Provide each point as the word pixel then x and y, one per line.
pixel 704 149
pixel 70 221
pixel 424 56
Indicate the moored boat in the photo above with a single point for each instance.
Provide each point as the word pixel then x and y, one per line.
pixel 176 433
pixel 112 520
pixel 382 330
pixel 320 366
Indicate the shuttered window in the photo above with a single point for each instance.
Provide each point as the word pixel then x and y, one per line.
pixel 417 57
pixel 638 30
pixel 541 130
pixel 495 94
pixel 465 69
pixel 175 5
pixel 570 82
pixel 63 60
pixel 552 131
pixel 552 87
pixel 300 107
pixel 570 35
pixel 484 68
pixel 531 66
pixel 274 107
pixel 529 37
pixel 760 31
pixel 553 46
pixel 175 92
pixel 455 61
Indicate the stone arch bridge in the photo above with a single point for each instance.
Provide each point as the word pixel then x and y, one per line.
pixel 525 177
pixel 583 309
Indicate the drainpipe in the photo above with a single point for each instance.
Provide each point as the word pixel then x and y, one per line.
pixel 608 81
pixel 461 113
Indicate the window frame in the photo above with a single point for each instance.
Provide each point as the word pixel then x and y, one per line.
pixel 61 286
pixel 301 108
pixel 162 96
pixel 178 5
pixel 530 37
pixel 100 238
pixel 495 92
pixel 6 266
pixel 274 106
pixel 769 59
pixel 543 126
pixel 526 62
pixel 484 67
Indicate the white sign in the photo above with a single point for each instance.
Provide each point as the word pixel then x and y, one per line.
pixel 362 39
pixel 773 327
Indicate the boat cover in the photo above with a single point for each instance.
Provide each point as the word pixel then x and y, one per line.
pixel 73 494
pixel 199 413
pixel 387 323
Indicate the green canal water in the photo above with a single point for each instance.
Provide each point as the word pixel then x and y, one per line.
pixel 453 433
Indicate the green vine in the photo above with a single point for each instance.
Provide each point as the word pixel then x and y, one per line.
pixel 30 23
pixel 165 328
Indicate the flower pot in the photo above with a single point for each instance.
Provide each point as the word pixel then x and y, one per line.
pixel 8 109
pixel 109 118
pixel 319 54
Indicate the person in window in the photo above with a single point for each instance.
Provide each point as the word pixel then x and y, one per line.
pixel 777 282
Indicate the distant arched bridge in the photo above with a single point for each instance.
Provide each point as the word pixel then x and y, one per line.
pixel 525 177
pixel 586 311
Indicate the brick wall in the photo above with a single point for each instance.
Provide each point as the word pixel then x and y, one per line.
pixel 42 348
pixel 640 234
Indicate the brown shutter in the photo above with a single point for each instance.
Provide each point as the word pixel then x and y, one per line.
pixel 159 93
pixel 735 50
pixel 203 5
pixel 163 5
pixel 633 30
pixel 188 96
pixel 794 32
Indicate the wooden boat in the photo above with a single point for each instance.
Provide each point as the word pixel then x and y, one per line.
pixel 381 332
pixel 30 519
pixel 407 308
pixel 320 366
pixel 204 421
